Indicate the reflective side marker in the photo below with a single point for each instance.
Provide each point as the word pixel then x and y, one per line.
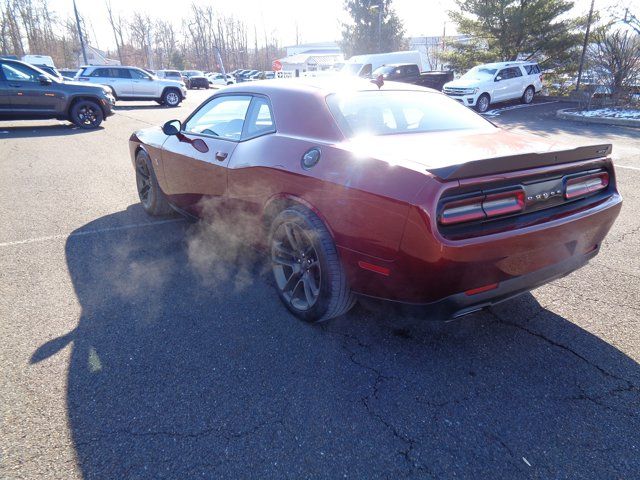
pixel 374 268
pixel 486 288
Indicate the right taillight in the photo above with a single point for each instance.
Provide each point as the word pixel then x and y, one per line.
pixel 586 184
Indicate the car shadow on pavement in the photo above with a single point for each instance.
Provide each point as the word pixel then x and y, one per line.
pixel 33 131
pixel 154 106
pixel 178 374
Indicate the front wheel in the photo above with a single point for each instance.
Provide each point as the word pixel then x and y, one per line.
pixel 482 105
pixel 151 197
pixel 309 276
pixel 87 114
pixel 527 96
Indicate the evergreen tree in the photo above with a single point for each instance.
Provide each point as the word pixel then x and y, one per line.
pixel 503 30
pixel 360 35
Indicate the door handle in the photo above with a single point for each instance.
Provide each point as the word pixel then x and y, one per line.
pixel 221 156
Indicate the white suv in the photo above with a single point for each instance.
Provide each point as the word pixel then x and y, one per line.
pixel 131 83
pixel 496 82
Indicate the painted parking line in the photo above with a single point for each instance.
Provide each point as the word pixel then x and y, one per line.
pixel 496 112
pixel 627 166
pixel 89 232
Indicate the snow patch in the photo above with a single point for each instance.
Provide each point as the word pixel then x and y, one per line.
pixel 610 113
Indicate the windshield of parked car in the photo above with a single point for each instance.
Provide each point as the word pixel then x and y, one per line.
pixel 383 70
pixel 351 68
pixel 479 73
pixel 386 112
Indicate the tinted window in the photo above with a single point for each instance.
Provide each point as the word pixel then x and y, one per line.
pixel 366 70
pixel 412 69
pixel 391 112
pixel 515 72
pixel 260 119
pixel 138 74
pixel 221 117
pixel 532 69
pixel 19 73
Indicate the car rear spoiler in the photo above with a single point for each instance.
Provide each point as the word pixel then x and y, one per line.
pixel 510 163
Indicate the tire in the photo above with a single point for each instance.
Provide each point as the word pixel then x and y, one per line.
pixel 86 114
pixel 151 197
pixel 171 97
pixel 308 274
pixel 482 105
pixel 527 96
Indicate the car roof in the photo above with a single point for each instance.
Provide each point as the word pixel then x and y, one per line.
pixel 508 64
pixel 318 85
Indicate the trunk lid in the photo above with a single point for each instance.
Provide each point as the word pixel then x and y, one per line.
pixel 462 154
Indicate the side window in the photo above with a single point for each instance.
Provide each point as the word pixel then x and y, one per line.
pixel 366 70
pixel 221 117
pixel 502 75
pixel 99 72
pixel 19 73
pixel 122 73
pixel 515 72
pixel 412 69
pixel 138 74
pixel 532 69
pixel 260 119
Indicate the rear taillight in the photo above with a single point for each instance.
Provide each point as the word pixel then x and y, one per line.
pixel 482 207
pixel 586 184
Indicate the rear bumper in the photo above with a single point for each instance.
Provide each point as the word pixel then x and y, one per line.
pixel 462 303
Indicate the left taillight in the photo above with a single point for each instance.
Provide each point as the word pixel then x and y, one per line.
pixel 583 185
pixel 482 207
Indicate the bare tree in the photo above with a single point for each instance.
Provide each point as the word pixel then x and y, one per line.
pixel 615 58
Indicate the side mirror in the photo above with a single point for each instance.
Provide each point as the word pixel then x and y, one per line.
pixel 172 127
pixel 44 80
pixel 498 78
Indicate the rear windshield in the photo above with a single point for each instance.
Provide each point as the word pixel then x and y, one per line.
pixel 387 112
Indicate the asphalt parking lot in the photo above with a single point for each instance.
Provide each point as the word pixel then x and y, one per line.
pixel 122 358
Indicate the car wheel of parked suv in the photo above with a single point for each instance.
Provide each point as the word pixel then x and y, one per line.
pixel 86 114
pixel 527 96
pixel 309 276
pixel 482 105
pixel 151 197
pixel 171 98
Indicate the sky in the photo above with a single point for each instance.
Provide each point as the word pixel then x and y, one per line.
pixel 317 20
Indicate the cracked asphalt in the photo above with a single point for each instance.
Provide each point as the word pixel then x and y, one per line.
pixel 121 359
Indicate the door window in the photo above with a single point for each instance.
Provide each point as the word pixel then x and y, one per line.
pixel 19 73
pixel 260 119
pixel 138 75
pixel 221 117
pixel 366 70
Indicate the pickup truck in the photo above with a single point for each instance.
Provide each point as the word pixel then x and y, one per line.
pixel 410 73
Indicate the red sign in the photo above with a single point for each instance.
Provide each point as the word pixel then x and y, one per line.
pixel 276 65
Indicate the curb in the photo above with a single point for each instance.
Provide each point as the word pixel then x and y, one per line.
pixel 566 114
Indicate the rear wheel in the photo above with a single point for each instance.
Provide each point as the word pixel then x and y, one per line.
pixel 527 96
pixel 152 199
pixel 86 114
pixel 309 276
pixel 482 105
pixel 171 98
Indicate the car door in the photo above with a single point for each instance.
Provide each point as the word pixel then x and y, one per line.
pixel 515 87
pixel 195 160
pixel 5 103
pixel 143 84
pixel 26 94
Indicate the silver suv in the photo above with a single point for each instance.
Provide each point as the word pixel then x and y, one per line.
pixel 131 83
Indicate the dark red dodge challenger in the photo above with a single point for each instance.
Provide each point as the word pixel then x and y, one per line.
pixel 388 191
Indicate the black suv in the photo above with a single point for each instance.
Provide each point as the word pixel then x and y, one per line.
pixel 28 93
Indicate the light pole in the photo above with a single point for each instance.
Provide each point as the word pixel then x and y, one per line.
pixel 380 8
pixel 84 50
pixel 584 47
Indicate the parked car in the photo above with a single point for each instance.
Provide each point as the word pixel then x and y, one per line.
pixel 246 75
pixel 132 83
pixel 490 83
pixel 410 73
pixel 195 79
pixel 171 75
pixel 269 75
pixel 52 71
pixel 397 192
pixel 364 65
pixel 29 93
pixel 38 60
pixel 219 79
pixel 67 73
